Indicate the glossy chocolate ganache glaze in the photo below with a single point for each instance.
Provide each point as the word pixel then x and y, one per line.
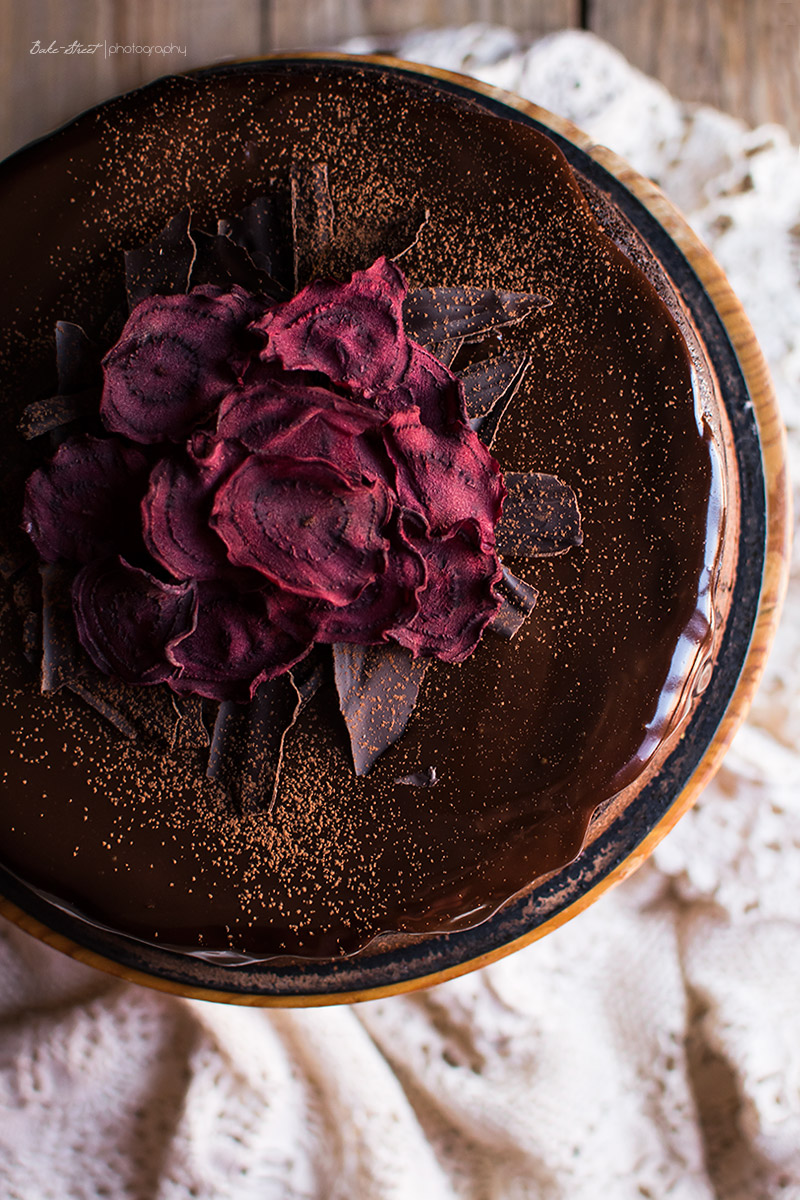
pixel 514 742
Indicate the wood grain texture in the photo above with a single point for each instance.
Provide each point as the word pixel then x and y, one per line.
pixel 742 56
pixel 319 23
pixel 39 92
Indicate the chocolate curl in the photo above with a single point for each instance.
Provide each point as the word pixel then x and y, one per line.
pixel 518 600
pixel 433 315
pixel 80 379
pixel 57 411
pixel 150 719
pixel 248 741
pixel 312 221
pixel 540 517
pixel 485 382
pixel 77 359
pixel 220 261
pixel 161 267
pixel 487 425
pixel 425 777
pixel 264 230
pixel 378 688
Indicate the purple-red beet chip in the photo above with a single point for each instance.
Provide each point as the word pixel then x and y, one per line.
pixel 83 504
pixel 177 358
pixel 233 647
pixel 351 332
pixel 313 479
pixel 305 526
pixel 127 620
pixel 459 599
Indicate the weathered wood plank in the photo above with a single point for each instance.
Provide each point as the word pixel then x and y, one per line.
pixel 38 92
pixel 317 23
pixel 740 55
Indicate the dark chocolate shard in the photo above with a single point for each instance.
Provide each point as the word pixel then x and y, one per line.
pixel 487 425
pixel 248 740
pixel 393 237
pixel 446 351
pixel 57 411
pixel 403 230
pixel 25 595
pixel 312 221
pixel 161 267
pixel 190 732
pixel 78 360
pixel 264 230
pixel 426 777
pixel 485 382
pixel 378 688
pixel 80 380
pixel 518 599
pixel 434 315
pixel 540 517
pixel 150 718
pixel 220 261
pixel 62 656
pixel 305 679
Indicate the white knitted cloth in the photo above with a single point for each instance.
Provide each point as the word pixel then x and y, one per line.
pixel 651 1048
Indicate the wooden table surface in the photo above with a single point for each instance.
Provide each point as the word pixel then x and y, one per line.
pixel 740 55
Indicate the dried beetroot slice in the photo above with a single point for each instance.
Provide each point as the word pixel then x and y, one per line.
pixel 151 720
pixel 177 358
pixel 518 599
pixel 487 425
pixel 351 332
pixel 304 526
pixel 294 418
pixel 390 600
pixel 219 261
pixel 232 648
pixel 312 220
pixel 437 314
pixel 163 266
pixel 378 688
pixel 84 503
pixel 126 619
pixel 540 517
pixel 485 382
pixel 264 230
pixel 431 387
pixel 459 599
pixel 445 478
pixel 176 512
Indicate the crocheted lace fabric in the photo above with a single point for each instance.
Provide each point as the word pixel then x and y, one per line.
pixel 651 1048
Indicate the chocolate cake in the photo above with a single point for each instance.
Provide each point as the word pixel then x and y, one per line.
pixel 203 810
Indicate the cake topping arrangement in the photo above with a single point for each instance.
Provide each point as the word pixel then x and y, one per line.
pixel 265 474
